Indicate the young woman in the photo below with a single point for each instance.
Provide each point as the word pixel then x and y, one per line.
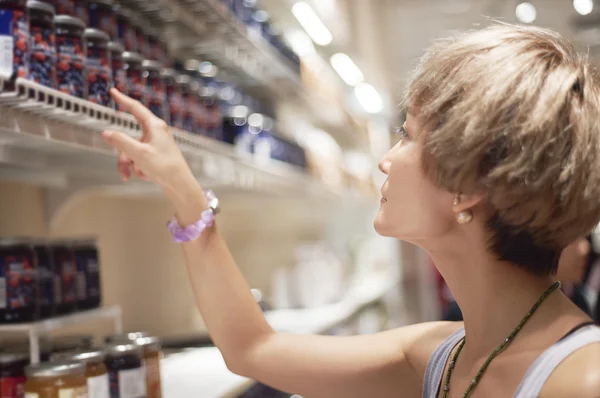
pixel 497 170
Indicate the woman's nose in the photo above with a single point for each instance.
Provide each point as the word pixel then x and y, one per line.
pixel 384 164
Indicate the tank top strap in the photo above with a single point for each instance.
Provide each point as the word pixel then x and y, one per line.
pixel 539 372
pixel 437 364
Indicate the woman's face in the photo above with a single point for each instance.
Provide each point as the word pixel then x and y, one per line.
pixel 412 207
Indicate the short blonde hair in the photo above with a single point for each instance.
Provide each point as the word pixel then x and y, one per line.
pixel 514 111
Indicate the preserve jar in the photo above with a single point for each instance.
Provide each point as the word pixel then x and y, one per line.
pixel 14 23
pixel 42 58
pixel 124 362
pixel 46 280
pixel 70 55
pixel 134 86
pixel 173 97
pixel 118 68
pixel 152 353
pixel 65 277
pixel 98 68
pixel 154 83
pixel 102 16
pixel 96 373
pixel 18 278
pixel 125 29
pixel 56 380
pixel 12 374
pixel 88 273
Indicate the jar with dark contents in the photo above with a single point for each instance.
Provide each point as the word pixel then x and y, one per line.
pixel 213 126
pixel 156 95
pixel 199 112
pixel 118 68
pixel 187 102
pixel 42 60
pixel 18 281
pixel 141 40
pixel 125 370
pixel 45 281
pixel 70 54
pixel 134 83
pixel 56 380
pixel 96 373
pixel 151 347
pixel 173 97
pixel 157 47
pixel 88 273
pixel 12 375
pixel 65 277
pixel 125 29
pixel 14 24
pixel 102 16
pixel 98 66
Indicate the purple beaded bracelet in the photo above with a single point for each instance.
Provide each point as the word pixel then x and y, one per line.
pixel 193 231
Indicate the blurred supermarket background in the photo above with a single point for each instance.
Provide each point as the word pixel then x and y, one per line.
pixel 282 107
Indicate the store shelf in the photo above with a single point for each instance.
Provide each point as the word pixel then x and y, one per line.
pixel 37 329
pixel 55 139
pixel 180 371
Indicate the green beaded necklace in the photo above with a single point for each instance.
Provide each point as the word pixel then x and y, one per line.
pixel 498 350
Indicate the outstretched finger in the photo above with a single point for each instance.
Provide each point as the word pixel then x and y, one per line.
pixel 143 115
pixel 124 143
pixel 124 166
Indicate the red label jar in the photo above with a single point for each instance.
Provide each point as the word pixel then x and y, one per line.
pixel 102 16
pixel 70 54
pixel 125 29
pixel 18 277
pixel 98 66
pixel 132 63
pixel 65 277
pixel 42 60
pixel 12 375
pixel 156 95
pixel 14 33
pixel 173 97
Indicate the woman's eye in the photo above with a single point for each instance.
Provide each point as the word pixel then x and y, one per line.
pixel 402 132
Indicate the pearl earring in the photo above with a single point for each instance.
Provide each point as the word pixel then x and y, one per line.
pixel 464 217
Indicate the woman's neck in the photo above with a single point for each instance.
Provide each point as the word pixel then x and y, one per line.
pixel 494 296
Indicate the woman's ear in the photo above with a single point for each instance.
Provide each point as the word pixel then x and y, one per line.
pixel 464 202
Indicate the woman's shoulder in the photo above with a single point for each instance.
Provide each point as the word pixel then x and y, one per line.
pixel 577 376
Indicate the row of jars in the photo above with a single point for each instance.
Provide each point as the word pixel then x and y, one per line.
pixel 127 366
pixel 40 279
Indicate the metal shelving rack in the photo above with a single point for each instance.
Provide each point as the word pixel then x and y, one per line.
pixel 35 330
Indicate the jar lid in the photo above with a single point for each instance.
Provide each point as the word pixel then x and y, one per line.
pixel 55 369
pixel 118 349
pixel 129 56
pixel 151 65
pixel 116 47
pixel 126 337
pixel 14 357
pixel 152 343
pixel 40 6
pixel 91 33
pixel 69 20
pixel 85 356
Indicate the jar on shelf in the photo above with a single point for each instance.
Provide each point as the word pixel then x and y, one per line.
pixel 61 344
pixel 12 374
pixel 173 97
pixel 187 101
pixel 18 277
pixel 88 273
pixel 102 16
pixel 65 277
pixel 96 373
pixel 134 79
pixel 56 379
pixel 80 10
pixel 14 23
pixel 118 68
pixel 152 353
pixel 213 121
pixel 141 39
pixel 45 281
pixel 156 96
pixel 125 29
pixel 70 54
pixel 42 59
pixel 98 66
pixel 125 370
pixel 157 47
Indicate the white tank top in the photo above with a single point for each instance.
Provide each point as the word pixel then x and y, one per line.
pixel 537 374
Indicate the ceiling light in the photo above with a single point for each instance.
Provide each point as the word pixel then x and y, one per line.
pixel 300 43
pixel 312 24
pixel 526 12
pixel 347 69
pixel 369 98
pixel 583 7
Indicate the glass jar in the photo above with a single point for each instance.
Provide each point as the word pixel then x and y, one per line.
pixel 56 380
pixel 118 67
pixel 125 370
pixel 198 110
pixel 42 59
pixel 88 273
pixel 151 347
pixel 134 86
pixel 14 22
pixel 157 47
pixel 70 55
pixel 140 28
pixel 173 97
pixel 102 16
pixel 18 277
pixel 12 375
pixel 96 372
pixel 45 282
pixel 213 121
pixel 98 68
pixel 156 95
pixel 65 277
pixel 187 101
pixel 125 30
